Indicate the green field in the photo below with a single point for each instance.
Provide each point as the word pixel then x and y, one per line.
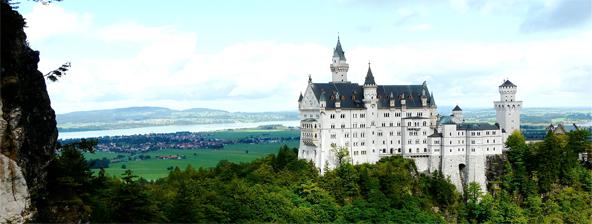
pixel 156 168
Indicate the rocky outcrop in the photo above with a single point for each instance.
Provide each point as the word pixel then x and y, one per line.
pixel 28 131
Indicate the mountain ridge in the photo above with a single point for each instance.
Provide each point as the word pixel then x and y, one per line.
pixel 133 117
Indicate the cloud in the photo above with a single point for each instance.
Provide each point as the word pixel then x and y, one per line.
pixel 166 66
pixel 552 72
pixel 557 15
pixel 421 27
pixel 49 20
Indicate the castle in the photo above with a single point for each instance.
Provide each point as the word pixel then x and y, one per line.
pixel 373 121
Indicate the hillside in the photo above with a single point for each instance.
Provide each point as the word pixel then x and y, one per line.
pixel 133 117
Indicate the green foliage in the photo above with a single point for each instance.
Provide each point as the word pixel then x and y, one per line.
pixel 281 188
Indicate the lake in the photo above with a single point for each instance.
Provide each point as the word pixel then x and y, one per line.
pixel 172 129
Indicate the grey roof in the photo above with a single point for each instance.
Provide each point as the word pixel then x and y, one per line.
pixel 457 108
pixel 436 134
pixel 310 120
pixel 338 52
pixel 477 126
pixel 445 120
pixel 300 97
pixel 507 83
pixel 369 77
pixel 352 94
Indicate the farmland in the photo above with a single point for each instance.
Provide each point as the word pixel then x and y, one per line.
pixel 155 167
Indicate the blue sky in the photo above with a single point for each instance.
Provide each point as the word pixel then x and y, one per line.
pixel 256 55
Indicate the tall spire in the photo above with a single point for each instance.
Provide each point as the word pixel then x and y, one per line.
pixel 339 66
pixel 369 77
pixel 338 52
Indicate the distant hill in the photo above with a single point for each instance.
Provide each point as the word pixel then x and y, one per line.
pixel 133 117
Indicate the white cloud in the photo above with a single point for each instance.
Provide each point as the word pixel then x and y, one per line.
pixel 421 27
pixel 48 20
pixel 165 66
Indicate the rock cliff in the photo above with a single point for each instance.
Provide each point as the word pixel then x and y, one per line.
pixel 28 131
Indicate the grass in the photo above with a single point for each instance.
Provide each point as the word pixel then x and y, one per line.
pixel 153 168
pixel 244 133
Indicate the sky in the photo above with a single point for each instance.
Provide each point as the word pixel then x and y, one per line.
pixel 256 55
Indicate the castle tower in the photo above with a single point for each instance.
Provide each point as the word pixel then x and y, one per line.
pixel 371 103
pixel 339 66
pixel 457 115
pixel 507 109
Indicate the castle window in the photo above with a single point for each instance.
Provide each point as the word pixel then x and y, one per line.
pixel 391 133
pixel 473 150
pixel 451 142
pixel 355 115
pixel 397 114
pixel 425 141
pixel 391 150
pixel 416 141
pixel 487 140
pixel 362 143
pixel 332 116
pixel 332 126
pixel 487 148
pixel 354 125
pixel 493 132
pixel 355 153
pixel 363 152
pixel 399 150
pixel 383 124
pixel 419 114
pixel 409 114
pixel 387 114
pixel 425 149
pixel 343 126
pixel 384 142
pixel 391 124
pixel 409 150
pixel 425 123
pixel 398 133
pixel 472 141
pixel 399 142
pixel 362 115
pixel 409 141
pixel 347 135
pixel 333 135
pixel 342 116
pixel 398 124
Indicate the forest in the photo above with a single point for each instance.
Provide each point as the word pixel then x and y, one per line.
pixel 542 182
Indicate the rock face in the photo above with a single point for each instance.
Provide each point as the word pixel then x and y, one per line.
pixel 28 131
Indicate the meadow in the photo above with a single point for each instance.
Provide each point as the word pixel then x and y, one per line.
pixel 155 168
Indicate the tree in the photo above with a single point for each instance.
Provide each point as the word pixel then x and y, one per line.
pixel 132 202
pixel 341 154
pixel 69 185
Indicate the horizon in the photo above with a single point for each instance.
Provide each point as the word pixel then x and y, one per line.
pixel 256 56
pixel 280 111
